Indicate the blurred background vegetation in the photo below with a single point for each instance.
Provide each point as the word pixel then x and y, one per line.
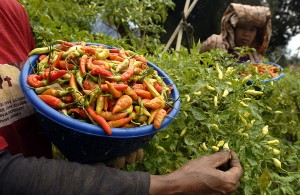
pixel 155 22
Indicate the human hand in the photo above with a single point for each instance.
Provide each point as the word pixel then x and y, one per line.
pixel 121 161
pixel 213 42
pixel 201 176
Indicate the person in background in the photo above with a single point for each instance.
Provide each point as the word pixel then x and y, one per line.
pixel 242 25
pixel 25 164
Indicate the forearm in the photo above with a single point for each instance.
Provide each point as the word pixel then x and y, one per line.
pixel 20 175
pixel 165 184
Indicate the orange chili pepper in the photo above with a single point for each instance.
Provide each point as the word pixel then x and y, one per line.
pixel 122 103
pixel 110 116
pixel 113 91
pixel 120 122
pixel 159 117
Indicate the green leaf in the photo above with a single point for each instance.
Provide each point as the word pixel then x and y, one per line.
pixel 264 180
pixel 198 114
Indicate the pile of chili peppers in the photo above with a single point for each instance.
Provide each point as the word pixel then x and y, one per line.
pixel 109 87
pixel 269 70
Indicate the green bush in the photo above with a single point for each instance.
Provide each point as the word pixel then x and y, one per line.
pixel 236 119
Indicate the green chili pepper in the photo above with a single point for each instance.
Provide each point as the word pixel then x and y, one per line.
pixel 40 50
pixel 40 90
pixel 79 78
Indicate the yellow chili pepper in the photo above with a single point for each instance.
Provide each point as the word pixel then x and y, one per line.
pixel 216 100
pixel 210 88
pixel 220 143
pixel 276 162
pixel 274 142
pixel 151 88
pixel 215 127
pixel 265 130
pixel 204 147
pixel 275 151
pixel 225 146
pixel 220 73
pixel 254 92
pixel 225 93
pixel 215 148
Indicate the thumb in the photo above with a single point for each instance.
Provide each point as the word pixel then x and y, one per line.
pixel 219 158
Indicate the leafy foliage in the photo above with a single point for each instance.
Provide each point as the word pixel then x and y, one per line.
pixel 237 119
pixel 72 20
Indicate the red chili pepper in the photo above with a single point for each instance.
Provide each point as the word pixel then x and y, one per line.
pixel 170 87
pixel 83 61
pixel 120 122
pixel 117 86
pixel 137 71
pixel 272 73
pixel 101 71
pixel 143 93
pixel 114 50
pixel 127 74
pixel 158 87
pixel 58 58
pixel 89 85
pixel 89 50
pixel 53 101
pixel 66 66
pixel 141 58
pixel 110 116
pixel 139 86
pixel 42 57
pixel 115 56
pixel 78 111
pixel 67 99
pixel 99 119
pixel 54 74
pixel 66 43
pixel 102 63
pixel 169 110
pixel 111 102
pixel 36 81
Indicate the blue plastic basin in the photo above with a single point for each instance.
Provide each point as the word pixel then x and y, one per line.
pixel 85 142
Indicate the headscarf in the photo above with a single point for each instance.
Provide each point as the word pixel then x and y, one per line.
pixel 259 16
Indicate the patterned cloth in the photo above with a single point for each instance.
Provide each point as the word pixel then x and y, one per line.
pixel 258 16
